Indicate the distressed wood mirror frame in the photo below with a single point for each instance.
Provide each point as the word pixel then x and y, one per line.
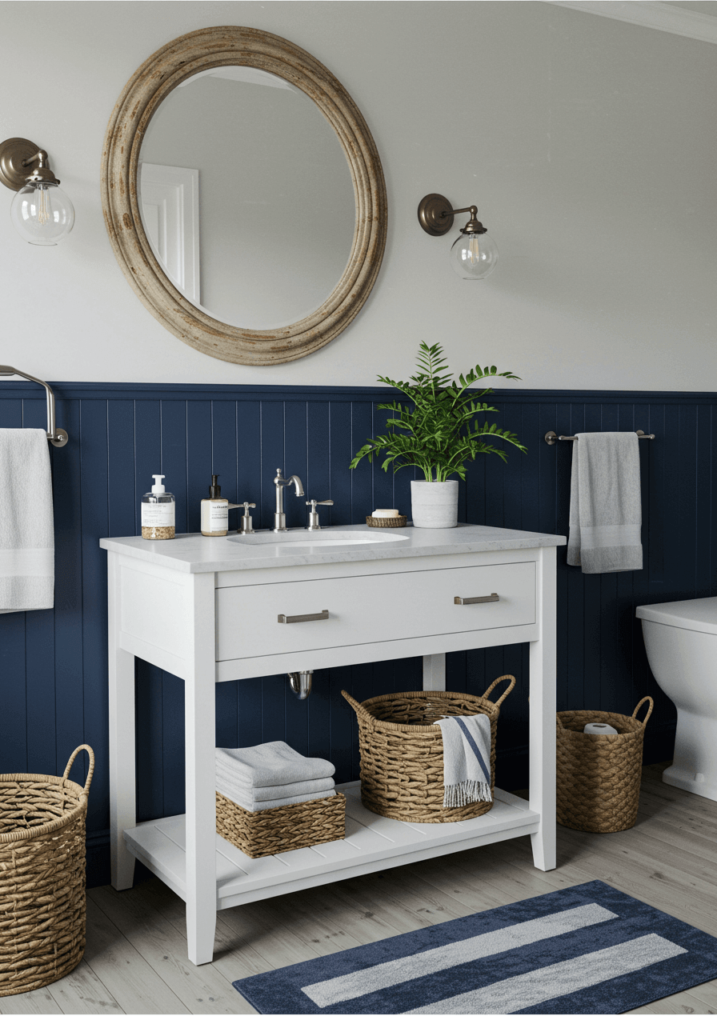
pixel 151 83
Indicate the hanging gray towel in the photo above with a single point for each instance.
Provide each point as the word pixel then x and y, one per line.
pixel 27 537
pixel 466 759
pixel 605 504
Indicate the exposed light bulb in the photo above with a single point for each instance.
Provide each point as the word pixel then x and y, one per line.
pixel 43 206
pixel 474 256
pixel 42 213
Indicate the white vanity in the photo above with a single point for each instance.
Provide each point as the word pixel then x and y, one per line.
pixel 210 610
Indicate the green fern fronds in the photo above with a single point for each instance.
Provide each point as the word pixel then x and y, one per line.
pixel 438 430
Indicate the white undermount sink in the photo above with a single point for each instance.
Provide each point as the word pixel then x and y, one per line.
pixel 316 538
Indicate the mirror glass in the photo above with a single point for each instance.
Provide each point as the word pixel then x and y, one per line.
pixel 246 197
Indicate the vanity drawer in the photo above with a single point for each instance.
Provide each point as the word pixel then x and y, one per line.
pixel 371 609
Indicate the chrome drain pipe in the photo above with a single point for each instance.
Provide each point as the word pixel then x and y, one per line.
pixel 300 683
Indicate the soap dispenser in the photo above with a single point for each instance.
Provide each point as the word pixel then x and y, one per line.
pixel 215 512
pixel 158 511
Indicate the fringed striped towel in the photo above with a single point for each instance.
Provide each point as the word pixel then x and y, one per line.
pixel 466 759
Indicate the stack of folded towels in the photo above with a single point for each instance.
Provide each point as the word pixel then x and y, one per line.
pixel 272 775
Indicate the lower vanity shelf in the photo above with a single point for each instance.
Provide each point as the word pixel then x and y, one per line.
pixel 371 843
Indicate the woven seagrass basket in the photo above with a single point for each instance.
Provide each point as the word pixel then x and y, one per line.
pixel 42 877
pixel 598 783
pixel 261 833
pixel 402 751
pixel 386 524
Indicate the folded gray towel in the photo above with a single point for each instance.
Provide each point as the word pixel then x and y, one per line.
pixel 261 793
pixel 466 759
pixel 271 764
pixel 605 503
pixel 27 535
pixel 238 797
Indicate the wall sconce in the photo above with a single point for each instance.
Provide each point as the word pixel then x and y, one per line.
pixel 474 254
pixel 41 212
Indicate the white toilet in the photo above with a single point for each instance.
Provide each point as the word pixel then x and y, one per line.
pixel 681 644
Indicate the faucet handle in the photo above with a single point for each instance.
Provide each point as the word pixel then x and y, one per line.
pixel 246 525
pixel 314 515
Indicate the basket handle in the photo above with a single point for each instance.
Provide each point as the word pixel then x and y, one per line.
pixel 358 708
pixel 90 773
pixel 504 694
pixel 649 710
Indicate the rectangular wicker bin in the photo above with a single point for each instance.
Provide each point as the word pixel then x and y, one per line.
pixel 598 777
pixel 280 829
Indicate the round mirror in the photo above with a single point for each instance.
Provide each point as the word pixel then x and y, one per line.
pixel 244 196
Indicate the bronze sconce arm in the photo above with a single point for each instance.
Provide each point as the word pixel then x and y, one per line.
pixel 22 163
pixel 435 215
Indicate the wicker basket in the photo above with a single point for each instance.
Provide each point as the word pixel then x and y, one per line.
pixel 386 524
pixel 261 833
pixel 42 877
pixel 598 784
pixel 402 751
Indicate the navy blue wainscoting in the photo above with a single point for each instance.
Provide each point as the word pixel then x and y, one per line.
pixel 53 673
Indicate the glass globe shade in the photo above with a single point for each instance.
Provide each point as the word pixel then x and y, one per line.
pixel 42 213
pixel 473 256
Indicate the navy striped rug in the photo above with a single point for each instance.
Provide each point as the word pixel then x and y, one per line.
pixel 586 949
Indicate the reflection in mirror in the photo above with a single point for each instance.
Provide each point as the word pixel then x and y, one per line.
pixel 246 197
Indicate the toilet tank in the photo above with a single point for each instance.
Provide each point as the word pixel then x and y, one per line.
pixel 681 645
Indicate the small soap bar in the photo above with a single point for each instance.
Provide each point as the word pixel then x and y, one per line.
pixel 385 513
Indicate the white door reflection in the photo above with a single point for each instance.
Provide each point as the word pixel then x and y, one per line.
pixel 169 198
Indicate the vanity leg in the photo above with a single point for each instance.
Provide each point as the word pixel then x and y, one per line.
pixel 542 715
pixel 434 671
pixel 200 743
pixel 123 804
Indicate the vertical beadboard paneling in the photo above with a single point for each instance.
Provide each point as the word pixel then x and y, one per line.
pixel 44 702
pixel 173 458
pixel 53 674
pixel 13 690
pixel 92 683
pixel 318 473
pixel 272 458
pixel 248 428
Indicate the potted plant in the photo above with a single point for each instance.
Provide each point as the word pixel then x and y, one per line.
pixel 439 432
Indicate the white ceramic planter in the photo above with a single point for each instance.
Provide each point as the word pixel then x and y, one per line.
pixel 434 506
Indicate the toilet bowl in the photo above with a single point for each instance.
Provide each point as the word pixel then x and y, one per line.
pixel 681 644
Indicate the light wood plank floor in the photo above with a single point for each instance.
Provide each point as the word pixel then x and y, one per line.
pixel 136 952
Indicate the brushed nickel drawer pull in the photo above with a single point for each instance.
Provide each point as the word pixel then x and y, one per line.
pixel 305 618
pixel 476 600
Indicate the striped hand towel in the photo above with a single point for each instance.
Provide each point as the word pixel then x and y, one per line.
pixel 466 759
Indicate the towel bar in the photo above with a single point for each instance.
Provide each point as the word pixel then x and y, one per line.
pixel 55 435
pixel 551 437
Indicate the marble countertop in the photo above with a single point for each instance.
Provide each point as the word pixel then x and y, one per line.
pixel 191 552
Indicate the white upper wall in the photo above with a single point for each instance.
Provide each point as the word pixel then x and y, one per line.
pixel 588 145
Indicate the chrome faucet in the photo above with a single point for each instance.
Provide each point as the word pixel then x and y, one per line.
pixel 281 483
